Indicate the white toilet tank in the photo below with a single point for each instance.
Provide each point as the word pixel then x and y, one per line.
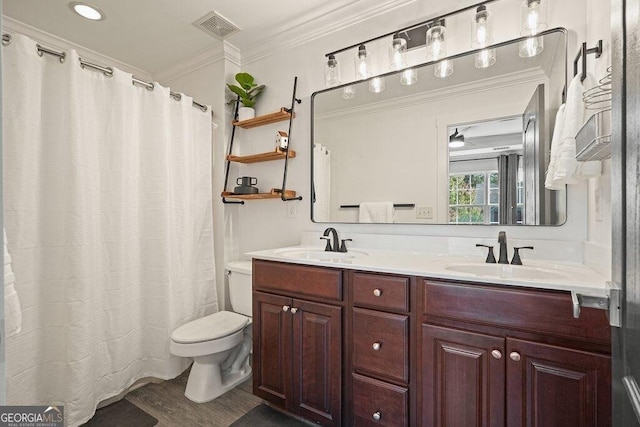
pixel 240 288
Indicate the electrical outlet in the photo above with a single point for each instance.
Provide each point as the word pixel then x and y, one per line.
pixel 424 212
pixel 292 209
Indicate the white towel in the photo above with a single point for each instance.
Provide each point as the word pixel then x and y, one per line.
pixel 12 311
pixel 376 212
pixel 567 169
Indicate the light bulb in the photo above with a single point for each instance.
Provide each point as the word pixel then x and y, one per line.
pixel 531 46
pixel 376 85
pixel 362 63
pixel 533 17
pixel 485 58
pixel 332 72
pixel 408 77
pixel 349 92
pixel 397 51
pixel 481 28
pixel 436 44
pixel 443 68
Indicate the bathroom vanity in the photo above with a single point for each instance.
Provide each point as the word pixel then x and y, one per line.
pixel 340 345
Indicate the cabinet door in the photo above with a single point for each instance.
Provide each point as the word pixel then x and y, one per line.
pixel 555 386
pixel 272 348
pixel 317 362
pixel 463 378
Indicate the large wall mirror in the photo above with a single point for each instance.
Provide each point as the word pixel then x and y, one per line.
pixel 471 148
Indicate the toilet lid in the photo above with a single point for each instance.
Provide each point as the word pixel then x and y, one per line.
pixel 209 328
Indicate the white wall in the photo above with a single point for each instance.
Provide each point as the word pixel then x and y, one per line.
pixel 265 224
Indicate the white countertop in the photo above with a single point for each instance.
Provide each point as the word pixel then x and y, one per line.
pixel 536 273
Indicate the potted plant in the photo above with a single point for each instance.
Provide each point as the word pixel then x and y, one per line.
pixel 247 92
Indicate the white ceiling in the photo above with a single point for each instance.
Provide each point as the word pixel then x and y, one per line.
pixel 154 35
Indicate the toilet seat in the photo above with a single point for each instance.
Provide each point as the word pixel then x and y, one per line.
pixel 209 328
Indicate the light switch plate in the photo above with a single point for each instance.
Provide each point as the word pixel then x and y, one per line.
pixel 424 212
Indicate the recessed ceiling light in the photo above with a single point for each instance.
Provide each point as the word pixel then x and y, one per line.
pixel 87 11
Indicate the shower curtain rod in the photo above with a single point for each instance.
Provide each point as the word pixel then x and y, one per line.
pixel 108 71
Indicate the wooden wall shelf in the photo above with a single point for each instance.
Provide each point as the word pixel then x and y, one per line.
pixel 274 194
pixel 262 157
pixel 265 120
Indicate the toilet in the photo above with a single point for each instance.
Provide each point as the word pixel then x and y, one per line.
pixel 219 343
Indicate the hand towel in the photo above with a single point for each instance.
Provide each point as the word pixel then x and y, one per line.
pixel 567 169
pixel 556 141
pixel 12 311
pixel 376 212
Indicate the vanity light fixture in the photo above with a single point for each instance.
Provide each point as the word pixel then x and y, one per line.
pixel 398 60
pixel 482 36
pixel 437 49
pixel 456 140
pixel 87 11
pixel 363 67
pixel 533 20
pixel 332 72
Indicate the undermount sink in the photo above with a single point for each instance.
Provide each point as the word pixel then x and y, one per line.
pixel 507 271
pixel 319 254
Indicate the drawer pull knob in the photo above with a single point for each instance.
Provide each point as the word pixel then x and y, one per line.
pixel 285 308
pixel 377 416
pixel 376 346
pixel 496 354
pixel 515 356
pixel 377 292
pixel 294 310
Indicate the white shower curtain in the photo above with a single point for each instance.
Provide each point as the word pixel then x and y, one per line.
pixel 108 215
pixel 322 183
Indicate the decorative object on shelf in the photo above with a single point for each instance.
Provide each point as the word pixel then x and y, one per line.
pixel 247 93
pixel 437 49
pixel 533 20
pixel 279 154
pixel 282 140
pixel 482 36
pixel 246 185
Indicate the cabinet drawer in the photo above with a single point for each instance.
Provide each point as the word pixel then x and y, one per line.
pixel 378 291
pixel 381 344
pixel 515 308
pixel 376 403
pixel 297 280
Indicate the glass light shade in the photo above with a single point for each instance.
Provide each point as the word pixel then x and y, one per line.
pixel 533 17
pixel 376 85
pixel 485 58
pixel 443 68
pixel 408 77
pixel 481 28
pixel 397 51
pixel 436 43
pixel 362 63
pixel 349 92
pixel 531 47
pixel 332 72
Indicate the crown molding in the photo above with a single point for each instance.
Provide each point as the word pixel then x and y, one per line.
pixel 301 33
pixel 232 54
pixel 59 43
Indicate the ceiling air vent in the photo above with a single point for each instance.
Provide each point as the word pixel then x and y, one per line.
pixel 216 25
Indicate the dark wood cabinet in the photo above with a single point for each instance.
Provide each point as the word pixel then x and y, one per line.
pixel 494 356
pixel 297 343
pixel 464 378
pixel 555 386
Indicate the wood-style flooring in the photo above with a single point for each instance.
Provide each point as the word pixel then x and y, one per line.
pixel 166 402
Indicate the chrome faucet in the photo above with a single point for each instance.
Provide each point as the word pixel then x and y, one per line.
pixel 502 241
pixel 335 247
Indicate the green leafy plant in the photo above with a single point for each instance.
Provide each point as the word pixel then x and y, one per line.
pixel 248 90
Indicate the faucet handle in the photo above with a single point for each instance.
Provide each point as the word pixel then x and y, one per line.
pixel 516 254
pixel 491 259
pixel 327 248
pixel 343 247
